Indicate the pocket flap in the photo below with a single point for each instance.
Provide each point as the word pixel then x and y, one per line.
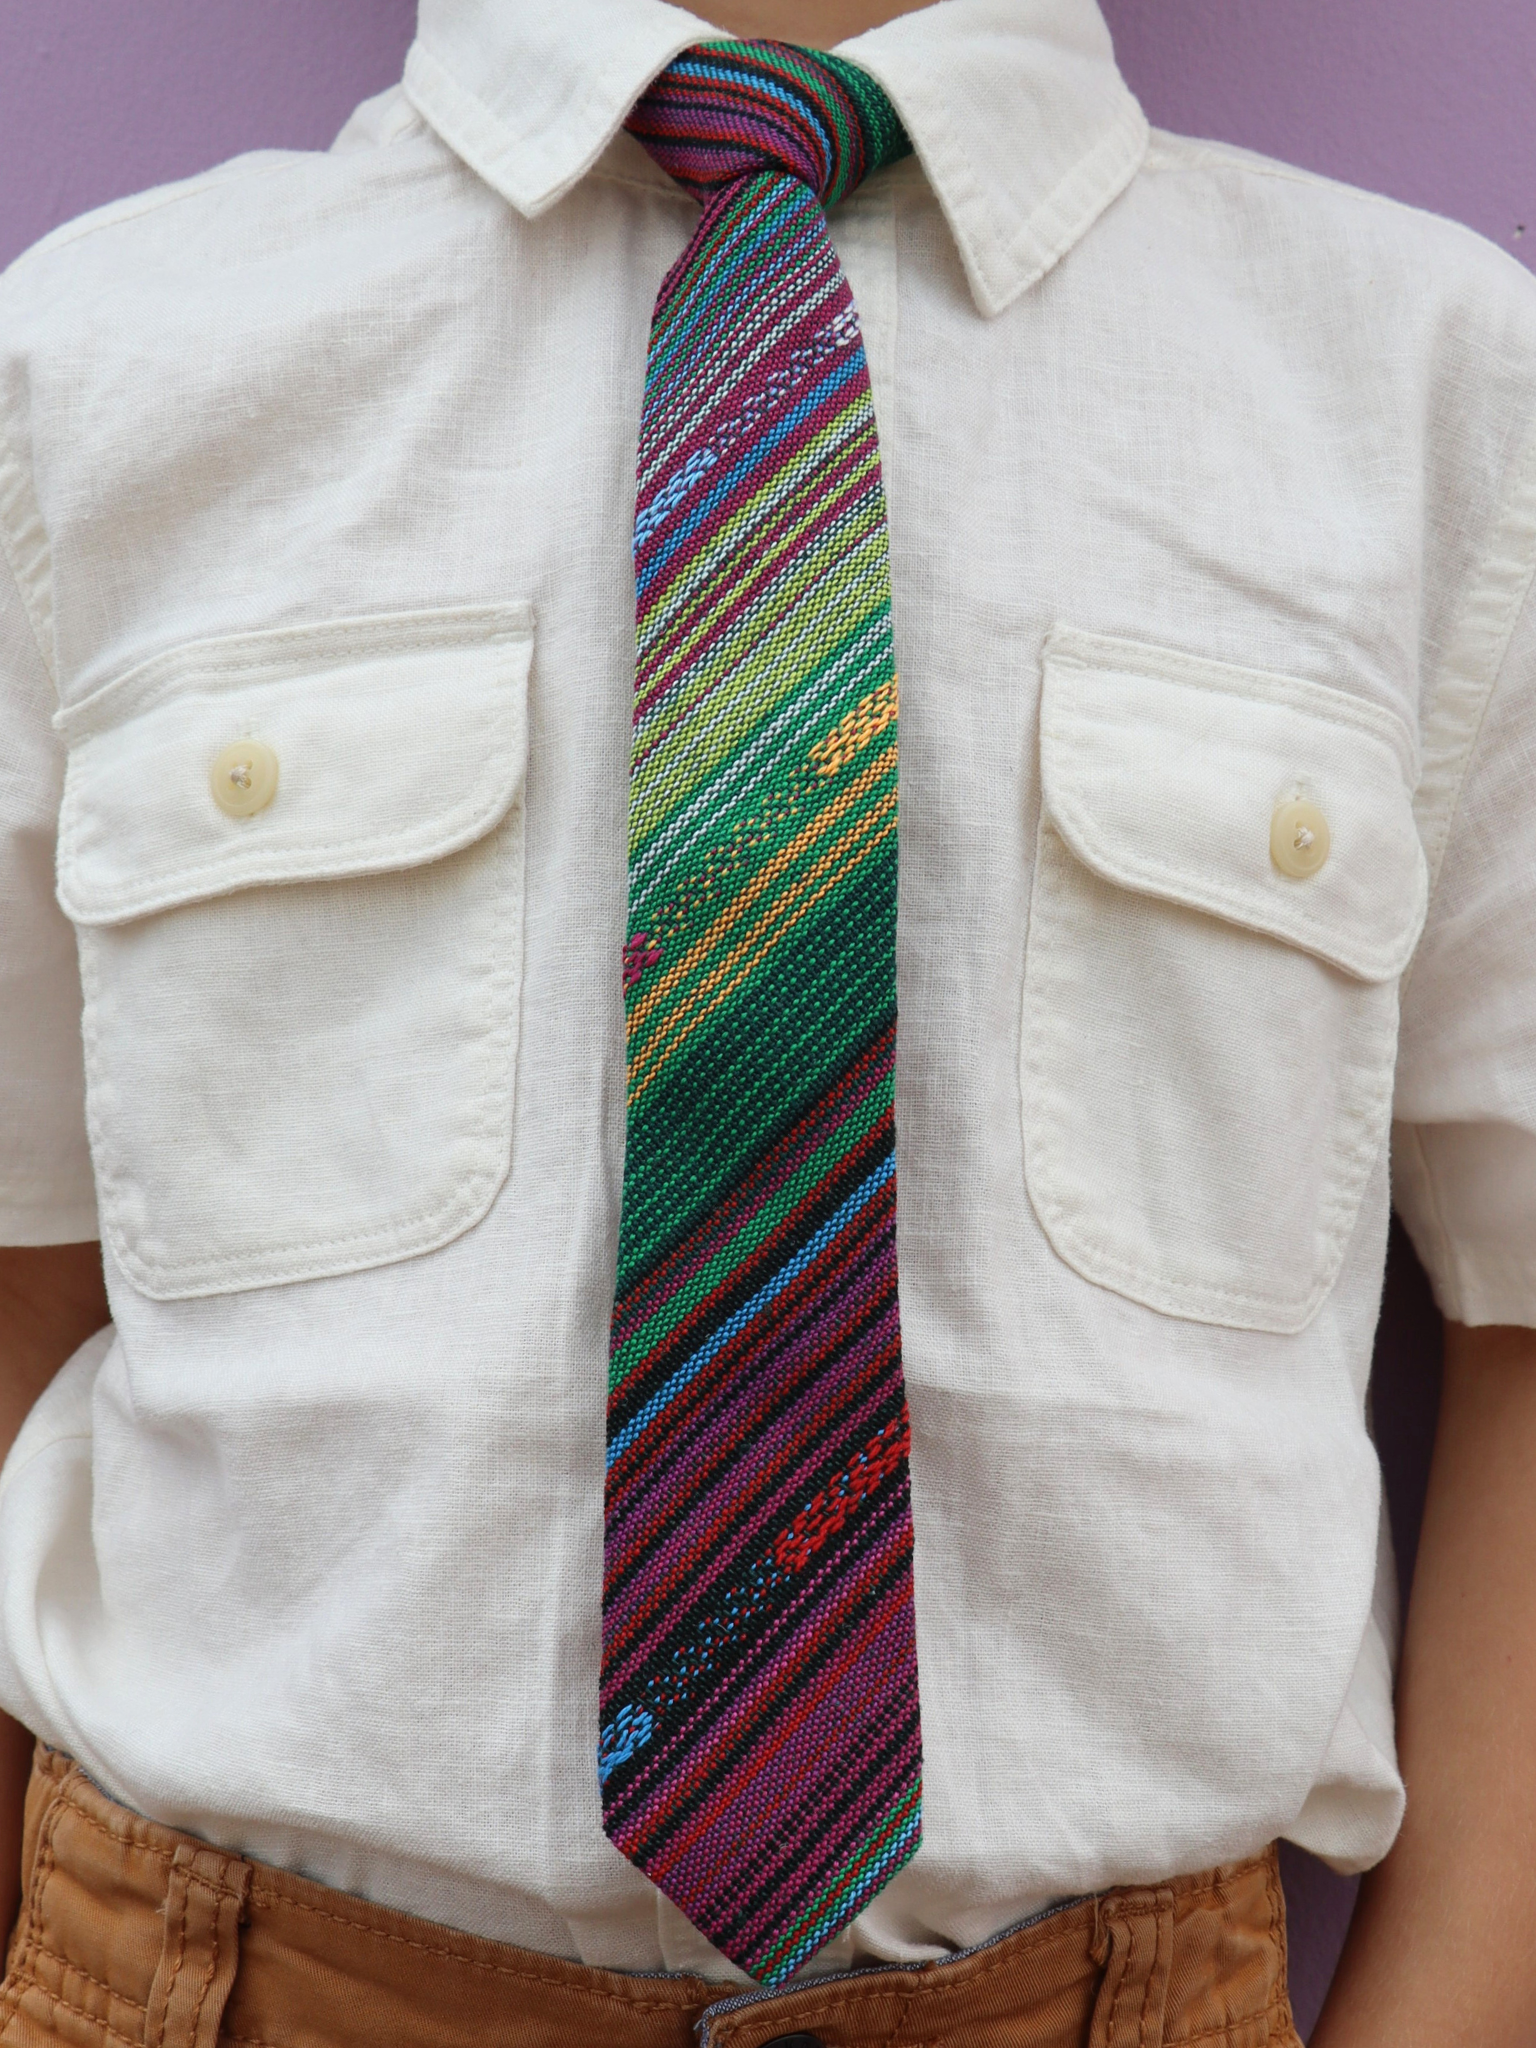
pixel 1162 773
pixel 398 739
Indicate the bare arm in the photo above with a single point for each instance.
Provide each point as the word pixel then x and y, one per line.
pixel 1442 1953
pixel 51 1298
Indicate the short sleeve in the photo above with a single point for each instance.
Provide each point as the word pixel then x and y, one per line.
pixel 47 1195
pixel 1464 1157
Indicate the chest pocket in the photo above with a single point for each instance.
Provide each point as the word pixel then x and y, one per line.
pixel 1208 1041
pixel 301 1021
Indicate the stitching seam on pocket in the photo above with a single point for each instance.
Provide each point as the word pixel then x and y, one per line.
pixel 1072 1233
pixel 283 653
pixel 1067 646
pixel 402 1236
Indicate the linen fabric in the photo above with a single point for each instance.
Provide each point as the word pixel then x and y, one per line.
pixel 760 1750
pixel 131 1932
pixel 1211 487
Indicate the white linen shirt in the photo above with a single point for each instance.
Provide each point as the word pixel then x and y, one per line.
pixel 1212 490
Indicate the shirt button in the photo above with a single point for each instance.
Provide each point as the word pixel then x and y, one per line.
pixel 1298 839
pixel 243 778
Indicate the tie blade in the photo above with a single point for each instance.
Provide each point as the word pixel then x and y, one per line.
pixel 760 1749
pixel 777 1787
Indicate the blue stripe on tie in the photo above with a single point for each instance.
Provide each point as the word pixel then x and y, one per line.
pixel 808 1253
pixel 755 457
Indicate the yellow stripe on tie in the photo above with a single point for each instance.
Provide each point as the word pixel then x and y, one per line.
pixel 854 731
pixel 786 857
pixel 831 870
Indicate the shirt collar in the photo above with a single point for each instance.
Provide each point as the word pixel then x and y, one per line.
pixel 1016 110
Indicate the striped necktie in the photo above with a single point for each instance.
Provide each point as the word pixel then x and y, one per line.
pixel 760 1754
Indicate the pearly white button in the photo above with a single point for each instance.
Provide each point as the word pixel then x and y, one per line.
pixel 243 778
pixel 1298 839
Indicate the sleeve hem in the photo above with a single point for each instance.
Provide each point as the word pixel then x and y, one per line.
pixel 1501 1295
pixel 1467 1196
pixel 63 1219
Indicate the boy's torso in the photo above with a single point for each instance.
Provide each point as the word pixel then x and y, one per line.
pixel 338 453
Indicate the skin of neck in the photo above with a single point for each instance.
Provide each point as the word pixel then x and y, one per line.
pixel 817 24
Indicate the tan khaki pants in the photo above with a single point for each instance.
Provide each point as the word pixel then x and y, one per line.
pixel 133 1936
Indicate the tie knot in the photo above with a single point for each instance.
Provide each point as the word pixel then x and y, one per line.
pixel 730 110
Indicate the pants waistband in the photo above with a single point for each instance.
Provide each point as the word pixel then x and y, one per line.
pixel 134 1936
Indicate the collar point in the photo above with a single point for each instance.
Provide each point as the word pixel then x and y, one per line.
pixel 1001 266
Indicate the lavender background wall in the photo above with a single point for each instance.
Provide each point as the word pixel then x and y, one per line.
pixel 1429 100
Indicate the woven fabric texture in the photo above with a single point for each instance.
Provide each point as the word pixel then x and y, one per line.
pixel 760 1751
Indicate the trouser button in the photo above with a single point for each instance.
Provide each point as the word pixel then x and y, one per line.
pixel 795 2041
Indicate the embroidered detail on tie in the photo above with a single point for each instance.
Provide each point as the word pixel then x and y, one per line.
pixel 760 1754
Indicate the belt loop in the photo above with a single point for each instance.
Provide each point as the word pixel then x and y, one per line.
pixel 1133 1939
pixel 204 1904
